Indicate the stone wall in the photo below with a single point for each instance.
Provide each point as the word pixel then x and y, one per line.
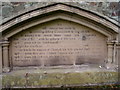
pixel 94 37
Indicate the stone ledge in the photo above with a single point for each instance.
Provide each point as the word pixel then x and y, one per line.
pixel 44 78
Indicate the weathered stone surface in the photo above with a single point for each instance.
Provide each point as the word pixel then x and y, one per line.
pixel 110 9
pixel 0 59
pixel 59 36
pixel 19 8
pixel 58 43
pixel 58 78
pixel 7 11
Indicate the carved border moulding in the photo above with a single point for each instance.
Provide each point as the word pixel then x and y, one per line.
pixel 77 11
pixel 24 17
pixel 35 13
pixel 111 46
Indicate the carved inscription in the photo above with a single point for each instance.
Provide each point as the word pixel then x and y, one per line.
pixel 58 43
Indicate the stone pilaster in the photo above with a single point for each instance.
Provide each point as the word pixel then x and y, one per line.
pixel 115 52
pixel 5 49
pixel 112 55
pixel 110 52
pixel 118 53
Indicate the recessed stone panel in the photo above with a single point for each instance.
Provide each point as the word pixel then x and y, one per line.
pixel 57 43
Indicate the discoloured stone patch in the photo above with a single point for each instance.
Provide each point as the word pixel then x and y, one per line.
pixel 59 79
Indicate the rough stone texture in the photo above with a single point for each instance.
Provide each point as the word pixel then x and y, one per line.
pixel 24 15
pixel 91 42
pixel 7 11
pixel 59 78
pixel 106 8
pixel 97 23
pixel 18 8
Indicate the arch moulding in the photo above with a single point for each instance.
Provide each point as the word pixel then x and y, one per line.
pixel 53 12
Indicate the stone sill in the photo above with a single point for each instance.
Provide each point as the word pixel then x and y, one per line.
pixel 44 78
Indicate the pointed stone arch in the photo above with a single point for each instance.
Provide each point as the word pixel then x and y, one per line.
pixel 63 12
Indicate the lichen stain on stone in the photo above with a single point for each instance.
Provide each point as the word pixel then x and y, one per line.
pixel 58 79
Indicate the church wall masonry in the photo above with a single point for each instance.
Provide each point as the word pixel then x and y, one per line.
pixel 59 35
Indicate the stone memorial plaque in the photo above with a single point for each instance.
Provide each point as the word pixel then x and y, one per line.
pixel 56 43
